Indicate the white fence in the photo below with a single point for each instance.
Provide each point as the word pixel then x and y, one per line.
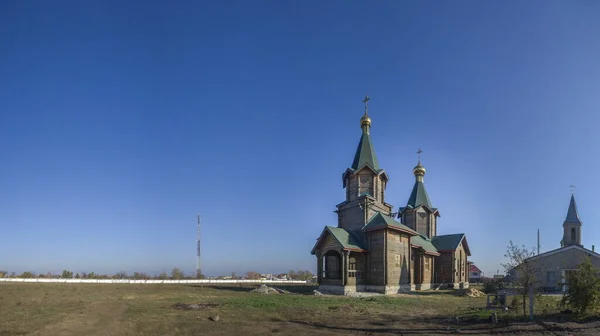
pixel 128 281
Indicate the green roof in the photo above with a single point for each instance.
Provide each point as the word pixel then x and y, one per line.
pixel 572 215
pixel 424 243
pixel 419 196
pixel 447 242
pixel 365 154
pixel 379 221
pixel 348 240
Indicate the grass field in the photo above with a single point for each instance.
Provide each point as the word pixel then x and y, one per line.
pixel 130 309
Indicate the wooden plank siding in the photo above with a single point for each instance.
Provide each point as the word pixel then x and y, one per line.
pixel 398 258
pixel 376 257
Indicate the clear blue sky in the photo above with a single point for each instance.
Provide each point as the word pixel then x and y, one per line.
pixel 120 122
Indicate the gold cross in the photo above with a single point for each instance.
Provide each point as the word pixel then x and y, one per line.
pixel 366 101
pixel 572 189
pixel 419 154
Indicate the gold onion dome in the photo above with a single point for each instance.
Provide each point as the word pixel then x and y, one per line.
pixel 419 169
pixel 365 120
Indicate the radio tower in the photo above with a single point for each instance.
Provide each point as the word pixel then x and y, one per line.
pixel 198 272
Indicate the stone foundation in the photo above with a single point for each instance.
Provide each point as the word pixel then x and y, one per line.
pixel 424 286
pixel 343 290
pixel 390 289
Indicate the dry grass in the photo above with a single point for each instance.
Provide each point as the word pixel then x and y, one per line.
pixel 129 309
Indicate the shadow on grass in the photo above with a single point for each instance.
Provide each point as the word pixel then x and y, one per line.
pixel 451 329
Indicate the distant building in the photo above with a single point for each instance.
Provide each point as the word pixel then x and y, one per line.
pixel 475 274
pixel 373 249
pixel 552 266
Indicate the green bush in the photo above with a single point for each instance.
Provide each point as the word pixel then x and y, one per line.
pixel 583 293
pixel 490 287
pixel 515 303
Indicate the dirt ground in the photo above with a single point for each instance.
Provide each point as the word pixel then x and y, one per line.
pixel 131 309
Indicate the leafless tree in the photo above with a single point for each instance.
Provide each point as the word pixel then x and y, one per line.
pixel 520 271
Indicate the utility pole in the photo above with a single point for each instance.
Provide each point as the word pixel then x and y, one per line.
pixel 538 242
pixel 198 271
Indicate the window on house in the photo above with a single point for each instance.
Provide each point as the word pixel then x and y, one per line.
pixel 573 234
pixel 352 267
pixel 551 279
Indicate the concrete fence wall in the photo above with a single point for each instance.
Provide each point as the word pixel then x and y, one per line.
pixel 128 281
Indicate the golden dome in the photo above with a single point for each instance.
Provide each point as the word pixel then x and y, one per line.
pixel 365 120
pixel 419 169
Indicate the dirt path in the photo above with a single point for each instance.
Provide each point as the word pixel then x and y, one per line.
pixel 98 318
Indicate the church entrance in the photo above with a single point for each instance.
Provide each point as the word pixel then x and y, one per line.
pixel 418 269
pixel 331 265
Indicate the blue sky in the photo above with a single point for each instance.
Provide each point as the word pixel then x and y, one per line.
pixel 120 122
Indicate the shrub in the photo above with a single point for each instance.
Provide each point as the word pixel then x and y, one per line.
pixel 490 287
pixel 583 293
pixel 515 303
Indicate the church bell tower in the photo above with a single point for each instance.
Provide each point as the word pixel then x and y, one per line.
pixel 364 182
pixel 572 224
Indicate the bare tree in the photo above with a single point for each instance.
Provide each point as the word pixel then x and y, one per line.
pixel 520 271
pixel 252 275
pixel 177 274
pixel 121 275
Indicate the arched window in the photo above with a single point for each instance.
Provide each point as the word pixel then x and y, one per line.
pixel 573 235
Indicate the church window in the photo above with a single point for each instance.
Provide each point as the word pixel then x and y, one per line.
pixel 397 259
pixel 573 235
pixel 426 263
pixel 352 267
pixel 366 185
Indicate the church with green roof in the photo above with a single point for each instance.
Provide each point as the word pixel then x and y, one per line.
pixel 373 249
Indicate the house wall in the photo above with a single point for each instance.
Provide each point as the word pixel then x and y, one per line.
pixel 352 218
pixel 428 269
pixel 359 271
pixel 420 220
pixel 444 268
pixel 329 243
pixel 459 265
pixel 398 257
pixel 408 219
pixel 376 257
pixel 557 262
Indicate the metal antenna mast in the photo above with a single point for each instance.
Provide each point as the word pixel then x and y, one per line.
pixel 198 272
pixel 538 242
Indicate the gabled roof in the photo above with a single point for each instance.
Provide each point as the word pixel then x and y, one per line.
pixel 473 268
pixel 381 221
pixel 348 240
pixel 425 244
pixel 450 242
pixel 566 248
pixel 433 210
pixel 419 196
pixel 572 215
pixel 365 154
